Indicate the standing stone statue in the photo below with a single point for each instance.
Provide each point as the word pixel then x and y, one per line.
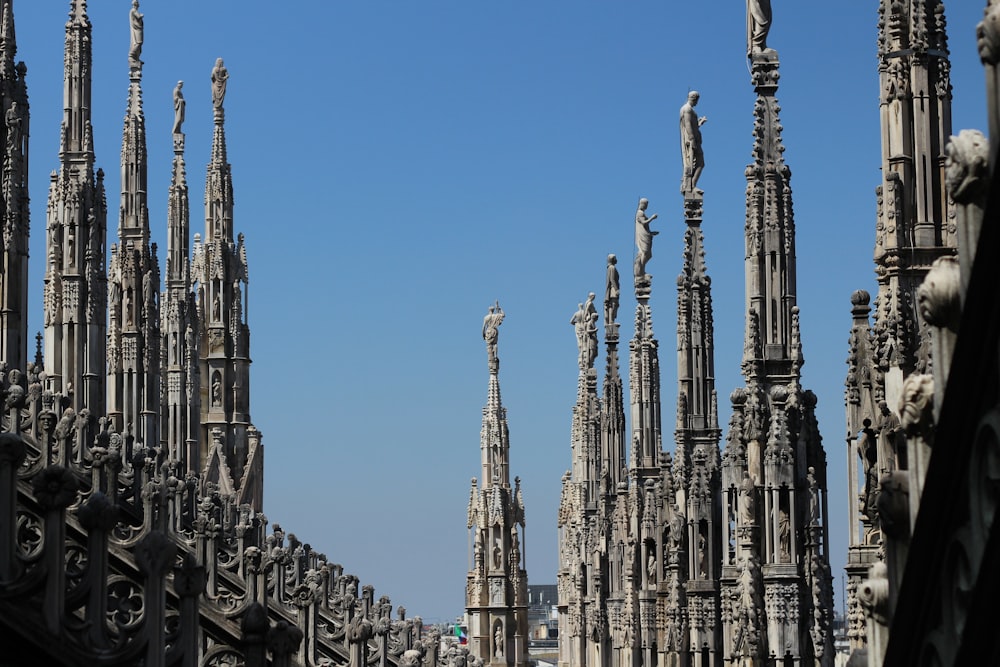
pixel 612 292
pixel 758 25
pixel 691 153
pixel 579 322
pixel 220 75
pixel 746 501
pixel 179 105
pixel 13 122
pixel 492 320
pixel 643 238
pixel 135 33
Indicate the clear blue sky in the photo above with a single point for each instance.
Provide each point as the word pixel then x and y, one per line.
pixel 400 165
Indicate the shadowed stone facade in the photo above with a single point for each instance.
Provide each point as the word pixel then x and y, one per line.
pixel 892 365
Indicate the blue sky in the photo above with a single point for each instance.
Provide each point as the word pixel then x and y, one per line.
pixel 399 165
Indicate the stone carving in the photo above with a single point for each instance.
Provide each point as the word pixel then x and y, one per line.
pixel 220 77
pixel 692 156
pixel 868 451
pixel 498 641
pixel 584 322
pixel 643 238
pixel 813 516
pixel 966 165
pixel 135 35
pixel 493 319
pixel 612 291
pixel 758 26
pixel 915 404
pixel 179 105
pixel 12 119
pixel 746 500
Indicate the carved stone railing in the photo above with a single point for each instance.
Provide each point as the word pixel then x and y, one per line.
pixel 112 555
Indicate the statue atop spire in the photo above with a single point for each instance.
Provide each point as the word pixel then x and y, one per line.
pixel 758 26
pixel 643 239
pixel 691 152
pixel 179 105
pixel 491 323
pixel 136 37
pixel 220 75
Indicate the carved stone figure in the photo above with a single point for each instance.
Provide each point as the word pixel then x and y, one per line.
pixel 758 26
pixel 13 122
pixel 493 319
pixel 612 291
pixel 784 536
pixel 813 496
pixel 868 451
pixel 498 641
pixel 220 75
pixel 643 238
pixel 179 105
pixel 746 500
pixel 579 322
pixel 136 36
pixel 692 156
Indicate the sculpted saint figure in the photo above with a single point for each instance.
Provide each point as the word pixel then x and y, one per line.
pixel 758 25
pixel 579 322
pixel 611 292
pixel 179 105
pixel 13 123
pixel 643 238
pixel 498 641
pixel 492 320
pixel 135 33
pixel 746 500
pixel 220 75
pixel 691 153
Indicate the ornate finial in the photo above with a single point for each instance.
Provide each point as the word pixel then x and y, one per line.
pixel 136 36
pixel 220 76
pixel 643 240
pixel 493 319
pixel 691 154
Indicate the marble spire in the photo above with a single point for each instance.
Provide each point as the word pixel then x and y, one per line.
pixel 134 277
pixel 497 582
pixel 231 452
pixel 181 410
pixel 774 465
pixel 14 215
pixel 76 232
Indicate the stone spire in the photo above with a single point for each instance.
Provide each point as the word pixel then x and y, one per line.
pixel 697 438
pixel 640 510
pixel 14 198
pixel 134 277
pixel 181 412
pixel 774 466
pixel 76 233
pixel 497 587
pixel 915 227
pixel 613 433
pixel 233 458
